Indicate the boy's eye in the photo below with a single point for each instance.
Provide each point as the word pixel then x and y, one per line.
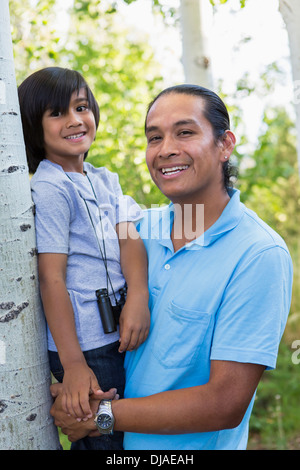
pixel 81 108
pixel 55 113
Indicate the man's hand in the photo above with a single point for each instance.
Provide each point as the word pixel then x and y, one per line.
pixel 70 426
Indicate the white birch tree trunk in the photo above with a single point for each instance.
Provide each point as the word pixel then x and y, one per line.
pixel 196 23
pixel 25 422
pixel 290 11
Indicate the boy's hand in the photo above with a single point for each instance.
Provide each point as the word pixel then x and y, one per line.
pixel 78 383
pixel 134 322
pixel 74 429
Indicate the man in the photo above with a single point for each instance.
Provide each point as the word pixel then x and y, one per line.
pixel 219 293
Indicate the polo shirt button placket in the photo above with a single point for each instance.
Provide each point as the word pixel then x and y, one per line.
pixel 167 267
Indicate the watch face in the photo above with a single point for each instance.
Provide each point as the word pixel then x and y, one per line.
pixel 104 421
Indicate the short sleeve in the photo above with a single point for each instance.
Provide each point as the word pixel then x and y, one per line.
pixel 127 210
pixel 52 218
pixel 125 207
pixel 253 313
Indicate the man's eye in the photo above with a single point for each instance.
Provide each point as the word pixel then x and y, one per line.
pixel 154 138
pixel 185 132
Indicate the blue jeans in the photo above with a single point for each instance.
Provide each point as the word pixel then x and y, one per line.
pixel 107 365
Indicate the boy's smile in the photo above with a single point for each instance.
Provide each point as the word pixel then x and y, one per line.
pixel 76 137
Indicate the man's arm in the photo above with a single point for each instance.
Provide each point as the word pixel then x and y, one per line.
pixel 219 404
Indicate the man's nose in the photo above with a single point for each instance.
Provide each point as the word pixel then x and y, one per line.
pixel 168 147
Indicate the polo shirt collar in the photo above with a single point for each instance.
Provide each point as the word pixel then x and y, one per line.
pixel 228 220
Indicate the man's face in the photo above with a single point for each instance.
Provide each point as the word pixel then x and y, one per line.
pixel 182 156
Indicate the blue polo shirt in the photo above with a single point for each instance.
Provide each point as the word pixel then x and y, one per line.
pixel 224 296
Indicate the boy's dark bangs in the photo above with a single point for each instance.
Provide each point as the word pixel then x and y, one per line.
pixel 61 88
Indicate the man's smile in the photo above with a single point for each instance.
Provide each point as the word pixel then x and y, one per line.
pixel 168 171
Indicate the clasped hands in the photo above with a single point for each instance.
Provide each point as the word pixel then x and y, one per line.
pixel 73 427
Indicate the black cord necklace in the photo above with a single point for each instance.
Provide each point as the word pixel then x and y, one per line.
pixel 102 252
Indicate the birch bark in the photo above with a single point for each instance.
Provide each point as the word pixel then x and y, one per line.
pixel 290 11
pixel 25 422
pixel 196 19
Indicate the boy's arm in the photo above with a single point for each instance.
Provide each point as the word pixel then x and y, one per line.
pixel 135 316
pixel 60 318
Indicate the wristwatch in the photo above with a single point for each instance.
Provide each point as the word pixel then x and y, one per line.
pixel 104 418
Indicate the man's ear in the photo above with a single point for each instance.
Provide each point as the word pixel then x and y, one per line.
pixel 229 141
pixel 227 144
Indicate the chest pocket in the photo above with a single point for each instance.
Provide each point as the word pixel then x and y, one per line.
pixel 178 335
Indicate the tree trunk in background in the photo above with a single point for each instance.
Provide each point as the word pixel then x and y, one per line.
pixel 25 422
pixel 195 17
pixel 290 11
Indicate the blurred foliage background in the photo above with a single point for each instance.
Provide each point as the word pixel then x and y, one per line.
pixel 124 75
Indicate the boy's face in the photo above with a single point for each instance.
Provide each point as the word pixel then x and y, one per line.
pixel 69 136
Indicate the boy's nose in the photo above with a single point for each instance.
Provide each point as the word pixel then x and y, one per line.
pixel 73 120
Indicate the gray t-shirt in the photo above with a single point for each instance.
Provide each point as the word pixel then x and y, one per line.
pixel 67 221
